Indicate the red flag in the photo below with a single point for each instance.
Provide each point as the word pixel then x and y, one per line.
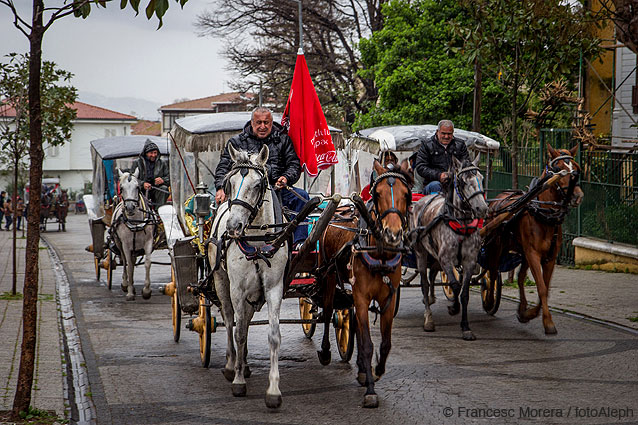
pixel 307 126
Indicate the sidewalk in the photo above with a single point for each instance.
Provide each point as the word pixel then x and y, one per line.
pixel 48 386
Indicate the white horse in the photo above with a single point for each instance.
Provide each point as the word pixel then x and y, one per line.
pixel 245 282
pixel 133 229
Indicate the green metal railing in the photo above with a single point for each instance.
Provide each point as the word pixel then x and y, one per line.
pixel 609 181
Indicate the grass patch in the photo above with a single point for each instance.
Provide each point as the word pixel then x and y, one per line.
pixel 633 318
pixel 8 296
pixel 45 297
pixel 514 284
pixel 33 416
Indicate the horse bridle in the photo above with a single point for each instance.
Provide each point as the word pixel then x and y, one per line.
pixel 566 191
pixel 391 178
pixel 243 168
pixel 457 185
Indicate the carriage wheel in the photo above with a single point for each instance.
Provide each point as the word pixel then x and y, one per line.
pixel 97 268
pixel 205 336
pixel 109 271
pixel 447 289
pixel 397 300
pixel 305 307
pixel 491 293
pixel 344 322
pixel 176 310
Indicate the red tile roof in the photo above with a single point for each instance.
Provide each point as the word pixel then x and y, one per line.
pixel 147 128
pixel 84 112
pixel 208 102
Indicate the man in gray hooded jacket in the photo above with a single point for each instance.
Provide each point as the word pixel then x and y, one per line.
pixel 153 174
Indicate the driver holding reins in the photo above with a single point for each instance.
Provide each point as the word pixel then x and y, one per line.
pixel 283 163
pixel 153 174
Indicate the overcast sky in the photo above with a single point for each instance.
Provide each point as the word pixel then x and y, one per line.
pixel 117 54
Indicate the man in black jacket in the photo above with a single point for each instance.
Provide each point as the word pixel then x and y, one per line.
pixel 153 174
pixel 435 155
pixel 283 164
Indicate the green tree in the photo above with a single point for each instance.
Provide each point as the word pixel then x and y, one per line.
pixel 57 117
pixel 526 44
pixel 34 29
pixel 420 75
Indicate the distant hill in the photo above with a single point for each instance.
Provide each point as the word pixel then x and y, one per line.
pixel 140 108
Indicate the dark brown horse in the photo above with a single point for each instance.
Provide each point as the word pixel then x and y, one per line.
pixel 62 209
pixel 536 234
pixel 369 257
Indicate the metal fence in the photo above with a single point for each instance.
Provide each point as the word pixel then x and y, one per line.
pixel 609 180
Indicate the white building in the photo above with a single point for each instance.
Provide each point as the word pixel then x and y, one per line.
pixel 71 162
pixel 625 113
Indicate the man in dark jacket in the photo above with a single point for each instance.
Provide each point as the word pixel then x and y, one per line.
pixel 153 174
pixel 435 155
pixel 283 164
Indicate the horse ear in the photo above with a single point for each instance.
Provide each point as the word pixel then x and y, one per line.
pixel 456 164
pixel 233 152
pixel 263 156
pixel 405 166
pixel 136 174
pixel 477 159
pixel 378 167
pixel 119 173
pixel 573 151
pixel 553 153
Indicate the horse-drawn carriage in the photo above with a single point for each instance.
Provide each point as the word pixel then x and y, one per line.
pixel 54 204
pixel 110 157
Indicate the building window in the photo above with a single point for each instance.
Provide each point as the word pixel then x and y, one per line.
pixel 52 151
pixel 109 132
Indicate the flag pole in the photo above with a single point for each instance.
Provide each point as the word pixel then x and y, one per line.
pixel 300 52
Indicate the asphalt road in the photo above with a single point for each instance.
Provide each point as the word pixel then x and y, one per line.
pixel 513 372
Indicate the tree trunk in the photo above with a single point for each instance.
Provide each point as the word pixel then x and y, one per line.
pixel 514 151
pixel 14 282
pixel 478 94
pixel 22 399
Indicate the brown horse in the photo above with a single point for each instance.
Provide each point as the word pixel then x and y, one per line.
pixel 536 234
pixel 369 257
pixel 62 209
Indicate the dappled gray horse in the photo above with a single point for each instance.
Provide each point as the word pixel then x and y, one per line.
pixel 253 271
pixel 446 226
pixel 133 227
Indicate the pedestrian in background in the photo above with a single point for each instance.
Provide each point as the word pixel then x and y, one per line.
pixel 3 195
pixel 19 212
pixel 8 213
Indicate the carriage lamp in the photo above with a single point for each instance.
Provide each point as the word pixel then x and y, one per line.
pixel 202 200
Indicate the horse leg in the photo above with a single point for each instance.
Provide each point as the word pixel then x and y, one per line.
pixel 432 276
pixel 548 323
pixel 244 314
pixel 366 348
pixel 386 332
pixel 328 303
pixel 522 305
pixel 222 288
pixel 426 284
pixel 273 299
pixel 468 335
pixel 534 262
pixel 148 250
pixel 130 264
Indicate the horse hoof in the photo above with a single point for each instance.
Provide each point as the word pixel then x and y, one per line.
pixel 130 297
pixel 453 310
pixel 324 357
pixel 521 317
pixel 361 379
pixel 468 336
pixel 432 299
pixel 239 390
pixel 428 326
pixel 376 374
pixel 146 294
pixel 273 401
pixel 247 372
pixel 124 288
pixel 229 374
pixel 370 401
pixel 550 330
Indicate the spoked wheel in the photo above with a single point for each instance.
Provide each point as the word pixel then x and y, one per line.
pixel 305 307
pixel 491 289
pixel 397 300
pixel 176 310
pixel 447 289
pixel 109 271
pixel 97 267
pixel 205 336
pixel 344 322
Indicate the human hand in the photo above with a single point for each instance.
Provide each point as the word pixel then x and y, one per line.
pixel 281 182
pixel 159 181
pixel 147 186
pixel 220 196
pixel 443 177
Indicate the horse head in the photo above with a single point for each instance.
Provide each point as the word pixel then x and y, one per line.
pixel 245 186
pixel 567 187
pixel 391 197
pixel 129 189
pixel 467 188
